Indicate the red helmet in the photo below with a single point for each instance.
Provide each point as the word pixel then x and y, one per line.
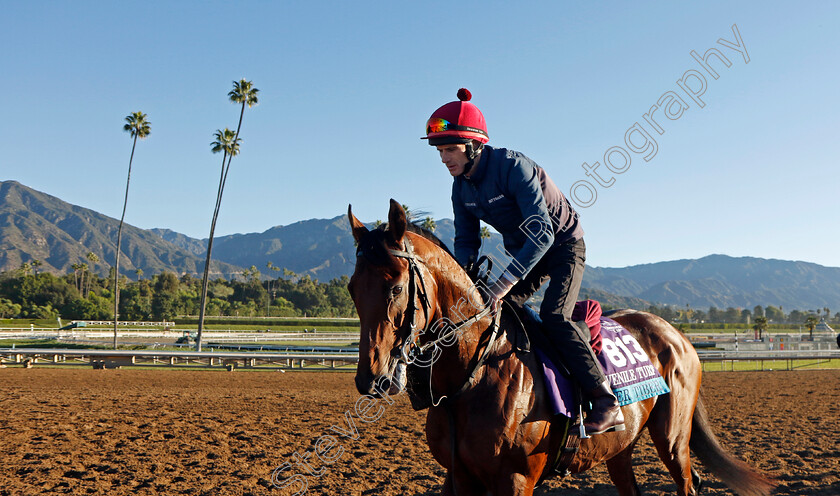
pixel 457 122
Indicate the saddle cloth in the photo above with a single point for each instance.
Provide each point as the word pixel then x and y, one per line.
pixel 626 365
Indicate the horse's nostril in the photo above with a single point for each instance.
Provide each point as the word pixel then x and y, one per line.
pixel 364 383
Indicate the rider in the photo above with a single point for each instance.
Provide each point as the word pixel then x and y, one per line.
pixel 540 230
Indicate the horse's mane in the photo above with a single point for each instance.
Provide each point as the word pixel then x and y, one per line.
pixel 373 245
pixel 429 235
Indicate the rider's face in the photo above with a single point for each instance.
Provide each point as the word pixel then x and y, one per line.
pixel 454 156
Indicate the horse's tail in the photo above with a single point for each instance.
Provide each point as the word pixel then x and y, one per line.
pixel 736 474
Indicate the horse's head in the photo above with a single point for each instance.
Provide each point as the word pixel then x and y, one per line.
pixel 394 292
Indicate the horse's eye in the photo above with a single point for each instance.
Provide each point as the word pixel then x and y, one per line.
pixel 396 290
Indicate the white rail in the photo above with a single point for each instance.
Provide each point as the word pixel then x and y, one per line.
pixel 29 356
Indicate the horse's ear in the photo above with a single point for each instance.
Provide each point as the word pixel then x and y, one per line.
pixel 356 225
pixel 397 222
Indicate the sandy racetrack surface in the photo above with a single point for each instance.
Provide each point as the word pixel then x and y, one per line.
pixel 84 431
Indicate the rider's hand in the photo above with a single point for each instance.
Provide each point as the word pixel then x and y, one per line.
pixel 497 291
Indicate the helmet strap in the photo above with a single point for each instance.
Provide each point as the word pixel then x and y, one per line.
pixel 472 152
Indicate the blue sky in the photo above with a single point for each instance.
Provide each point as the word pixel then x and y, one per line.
pixel 346 88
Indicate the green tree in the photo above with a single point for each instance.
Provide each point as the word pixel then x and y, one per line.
pixel 139 128
pixel 227 143
pixel 429 224
pixel 136 300
pixel 731 315
pixel 774 314
pixel 339 297
pixel 164 301
pixel 8 309
pixel 760 326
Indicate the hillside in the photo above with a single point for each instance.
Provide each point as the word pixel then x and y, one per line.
pixel 34 225
pixel 37 226
pixel 723 281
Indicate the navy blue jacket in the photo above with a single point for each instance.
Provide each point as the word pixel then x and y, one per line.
pixel 510 192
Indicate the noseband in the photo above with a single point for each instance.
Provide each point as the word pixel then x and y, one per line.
pixel 410 349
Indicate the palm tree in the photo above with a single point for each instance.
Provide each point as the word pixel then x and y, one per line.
pixel 811 322
pixel 93 258
pixel 429 224
pixel 244 93
pixel 271 287
pixel 138 127
pixel 139 273
pixel 76 268
pixel 760 326
pixel 83 268
pixel 227 143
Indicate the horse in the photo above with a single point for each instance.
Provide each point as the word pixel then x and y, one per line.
pixel 488 423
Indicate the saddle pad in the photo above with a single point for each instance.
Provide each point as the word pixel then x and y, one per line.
pixel 627 367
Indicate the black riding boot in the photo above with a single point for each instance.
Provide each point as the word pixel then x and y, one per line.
pixel 606 415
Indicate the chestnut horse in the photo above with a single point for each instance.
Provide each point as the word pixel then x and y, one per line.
pixel 489 423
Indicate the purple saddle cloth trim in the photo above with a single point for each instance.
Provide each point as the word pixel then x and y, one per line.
pixel 627 367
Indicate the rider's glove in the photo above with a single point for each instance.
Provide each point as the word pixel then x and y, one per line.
pixel 498 290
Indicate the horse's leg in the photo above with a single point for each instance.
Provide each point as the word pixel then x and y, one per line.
pixel 620 468
pixel 514 485
pixel 669 425
pixel 696 481
pixel 462 486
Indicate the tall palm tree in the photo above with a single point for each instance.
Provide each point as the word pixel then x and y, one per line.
pixel 83 267
pixel 243 92
pixel 227 143
pixel 272 281
pixel 76 268
pixel 93 258
pixel 138 127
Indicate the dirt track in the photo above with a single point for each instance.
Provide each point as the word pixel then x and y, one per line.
pixel 115 432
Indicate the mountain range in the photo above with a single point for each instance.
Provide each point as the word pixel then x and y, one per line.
pixel 34 225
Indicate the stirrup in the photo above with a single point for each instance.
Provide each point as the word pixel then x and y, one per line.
pixel 582 430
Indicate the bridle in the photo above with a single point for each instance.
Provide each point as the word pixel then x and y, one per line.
pixel 410 351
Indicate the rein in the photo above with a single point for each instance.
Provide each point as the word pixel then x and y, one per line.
pixel 410 351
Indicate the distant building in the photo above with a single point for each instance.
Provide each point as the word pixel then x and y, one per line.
pixel 823 326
